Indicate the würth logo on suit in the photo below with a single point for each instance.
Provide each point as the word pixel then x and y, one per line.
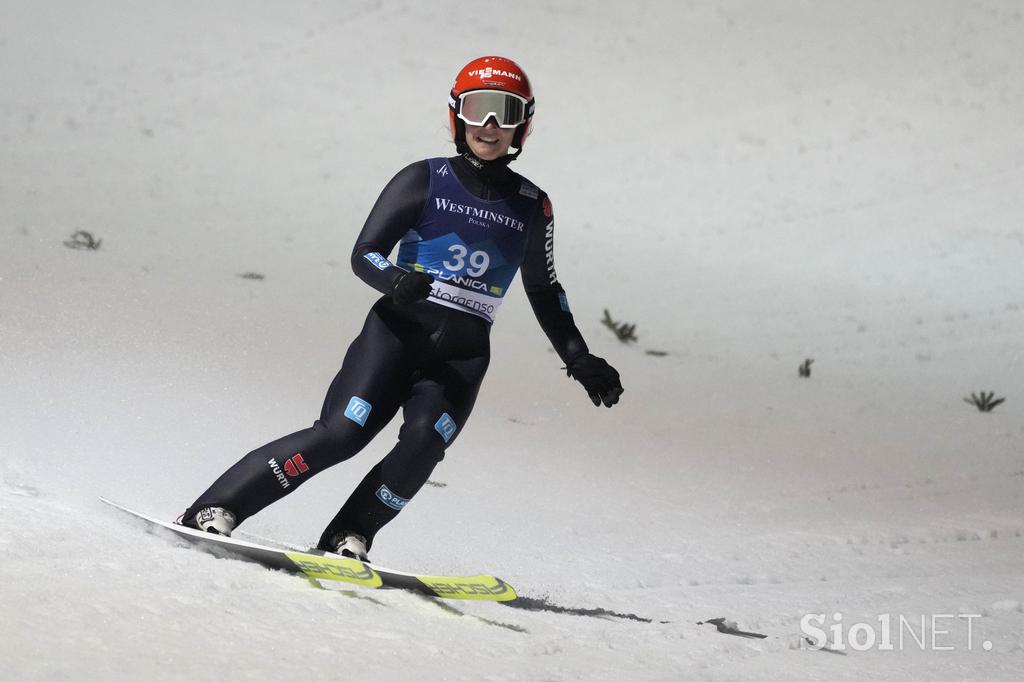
pixel 296 466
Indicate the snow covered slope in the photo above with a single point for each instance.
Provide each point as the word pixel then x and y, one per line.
pixel 751 183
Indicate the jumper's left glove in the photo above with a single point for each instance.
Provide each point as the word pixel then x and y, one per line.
pixel 599 379
pixel 411 287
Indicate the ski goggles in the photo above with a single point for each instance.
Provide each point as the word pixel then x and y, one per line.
pixel 509 110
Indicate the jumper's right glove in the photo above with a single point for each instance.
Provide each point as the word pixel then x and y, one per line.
pixel 599 379
pixel 412 286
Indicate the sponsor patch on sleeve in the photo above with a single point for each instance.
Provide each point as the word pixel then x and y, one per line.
pixel 378 260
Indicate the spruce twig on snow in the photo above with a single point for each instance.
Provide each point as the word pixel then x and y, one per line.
pixel 984 401
pixel 83 240
pixel 624 332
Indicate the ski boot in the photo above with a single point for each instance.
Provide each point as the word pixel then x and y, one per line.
pixel 211 520
pixel 351 545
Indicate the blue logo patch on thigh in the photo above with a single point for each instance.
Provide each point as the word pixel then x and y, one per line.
pixel 358 410
pixel 446 427
pixel 396 502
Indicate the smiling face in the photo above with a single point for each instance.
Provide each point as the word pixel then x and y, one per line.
pixel 489 142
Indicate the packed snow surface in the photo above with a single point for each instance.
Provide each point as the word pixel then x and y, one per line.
pixel 751 183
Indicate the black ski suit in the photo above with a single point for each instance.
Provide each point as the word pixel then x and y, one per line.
pixel 427 357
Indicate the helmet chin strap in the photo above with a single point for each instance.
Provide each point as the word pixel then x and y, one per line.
pixel 484 164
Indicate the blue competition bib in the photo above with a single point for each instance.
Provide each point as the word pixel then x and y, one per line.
pixel 472 247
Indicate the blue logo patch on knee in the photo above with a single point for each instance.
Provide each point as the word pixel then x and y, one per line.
pixel 358 410
pixel 396 502
pixel 446 427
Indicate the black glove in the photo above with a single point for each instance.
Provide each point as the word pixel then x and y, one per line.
pixel 412 286
pixel 600 379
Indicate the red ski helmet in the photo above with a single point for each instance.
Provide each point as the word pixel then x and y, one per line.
pixel 494 74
